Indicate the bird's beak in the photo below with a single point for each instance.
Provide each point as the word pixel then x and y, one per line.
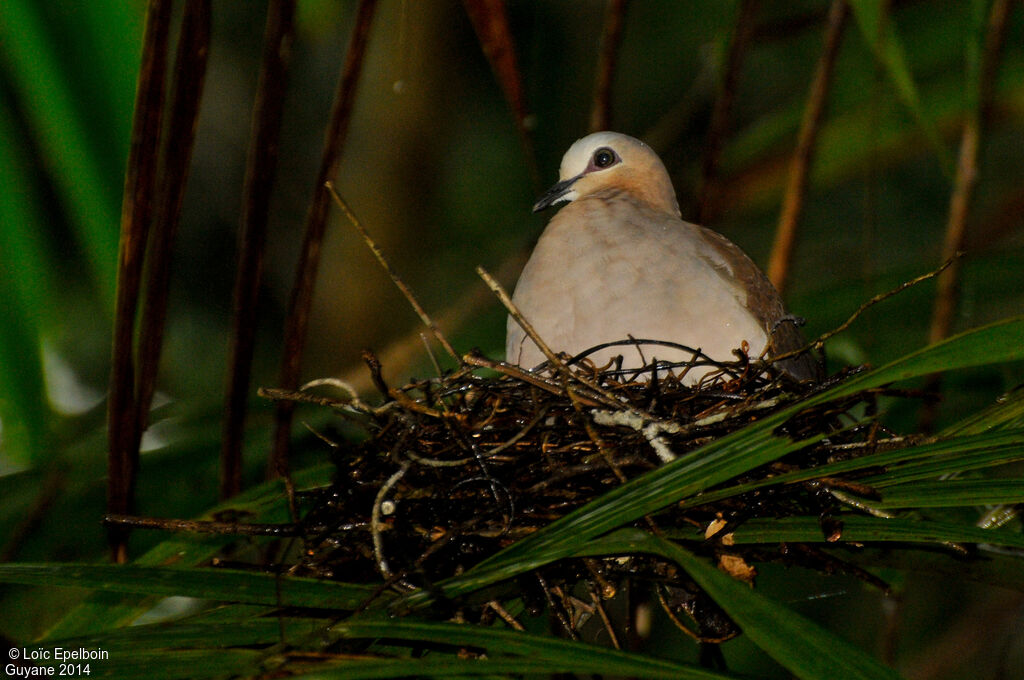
pixel 556 194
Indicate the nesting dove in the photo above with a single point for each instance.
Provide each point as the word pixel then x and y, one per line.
pixel 619 262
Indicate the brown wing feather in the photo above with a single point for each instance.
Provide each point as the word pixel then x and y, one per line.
pixel 766 304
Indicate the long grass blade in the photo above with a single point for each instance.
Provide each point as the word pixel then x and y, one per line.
pixel 860 529
pixel 796 643
pixel 210 584
pixel 264 503
pixel 588 658
pixel 31 59
pixel 26 286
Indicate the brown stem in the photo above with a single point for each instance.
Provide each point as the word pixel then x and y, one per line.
pixel 136 212
pixel 297 321
pixel 803 157
pixel 261 167
pixel 189 77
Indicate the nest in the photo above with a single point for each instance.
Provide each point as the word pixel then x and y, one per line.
pixel 457 467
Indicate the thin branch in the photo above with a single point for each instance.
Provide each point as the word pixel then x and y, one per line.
pixel 261 167
pixel 395 278
pixel 505 616
pixel 721 115
pixel 297 322
pixel 402 352
pixel 351 399
pixel 202 526
pixel 516 372
pixel 803 157
pixel 136 213
pixel 611 38
pixel 596 598
pixel 514 312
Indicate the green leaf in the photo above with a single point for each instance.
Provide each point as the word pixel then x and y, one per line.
pixel 584 658
pixel 264 503
pixel 796 643
pixel 209 584
pixel 860 529
pixel 1006 413
pixel 30 57
pixel 955 454
pixel 996 343
pixel 540 652
pixel 964 454
pixel 188 635
pixel 437 666
pixel 952 493
pixel 26 289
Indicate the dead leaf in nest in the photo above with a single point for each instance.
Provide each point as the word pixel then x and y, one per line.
pixel 737 567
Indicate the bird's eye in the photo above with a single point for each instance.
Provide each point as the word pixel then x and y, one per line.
pixel 604 157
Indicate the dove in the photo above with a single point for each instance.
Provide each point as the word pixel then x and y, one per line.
pixel 619 262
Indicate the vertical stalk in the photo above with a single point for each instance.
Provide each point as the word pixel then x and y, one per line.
pixel 301 299
pixel 136 213
pixel 261 166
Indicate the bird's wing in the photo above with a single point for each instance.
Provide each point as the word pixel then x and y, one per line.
pixel 765 303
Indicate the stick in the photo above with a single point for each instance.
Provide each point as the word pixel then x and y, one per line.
pixel 201 526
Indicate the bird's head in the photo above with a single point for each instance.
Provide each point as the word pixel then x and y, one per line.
pixel 610 160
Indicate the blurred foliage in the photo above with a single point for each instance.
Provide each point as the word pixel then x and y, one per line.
pixel 435 168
